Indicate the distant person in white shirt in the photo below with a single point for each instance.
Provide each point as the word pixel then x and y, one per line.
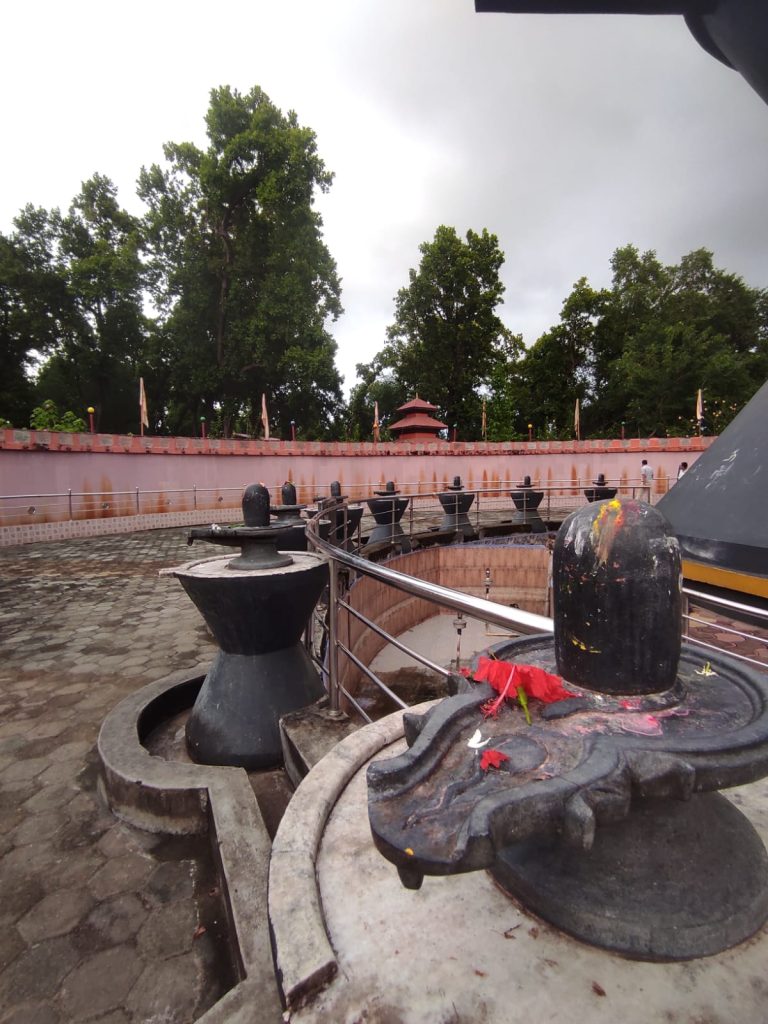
pixel 682 469
pixel 646 473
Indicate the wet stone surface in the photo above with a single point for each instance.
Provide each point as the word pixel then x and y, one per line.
pixel 98 921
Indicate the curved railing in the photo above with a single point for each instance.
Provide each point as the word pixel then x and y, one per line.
pixel 514 620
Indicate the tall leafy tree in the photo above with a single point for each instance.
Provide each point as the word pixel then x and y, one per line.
pixel 446 336
pixel 242 280
pixel 72 294
pixel 563 366
pixel 670 330
pixel 99 360
pixel 636 354
pixel 377 386
pixel 35 309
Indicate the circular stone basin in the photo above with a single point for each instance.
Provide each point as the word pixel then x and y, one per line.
pixel 458 949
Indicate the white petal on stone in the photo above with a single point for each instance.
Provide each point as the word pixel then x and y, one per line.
pixel 477 740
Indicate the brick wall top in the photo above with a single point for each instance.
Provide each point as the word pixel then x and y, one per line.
pixel 50 440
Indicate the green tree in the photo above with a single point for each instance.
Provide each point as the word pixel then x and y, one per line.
pixel 48 417
pixel 376 385
pixel 446 337
pixel 242 280
pixel 637 353
pixel 35 308
pixel 670 330
pixel 563 366
pixel 72 297
pixel 99 359
pixel 507 397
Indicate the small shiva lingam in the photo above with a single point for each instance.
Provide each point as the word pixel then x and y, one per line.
pixel 345 519
pixel 600 491
pixel 257 606
pixel 527 503
pixel 387 510
pixel 456 503
pixel 288 515
pixel 582 771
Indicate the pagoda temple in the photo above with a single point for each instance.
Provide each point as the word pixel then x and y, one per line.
pixel 417 422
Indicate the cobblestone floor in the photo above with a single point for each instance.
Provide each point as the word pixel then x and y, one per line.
pixel 98 921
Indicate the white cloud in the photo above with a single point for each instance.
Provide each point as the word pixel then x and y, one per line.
pixel 567 136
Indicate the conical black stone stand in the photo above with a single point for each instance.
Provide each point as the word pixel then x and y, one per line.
pixel 599 493
pixel 387 513
pixel 526 512
pixel 672 881
pixel 456 504
pixel 262 671
pixel 344 524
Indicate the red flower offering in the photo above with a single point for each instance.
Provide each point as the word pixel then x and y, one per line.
pixel 506 678
pixel 492 759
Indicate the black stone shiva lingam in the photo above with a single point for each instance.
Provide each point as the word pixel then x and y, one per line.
pixel 387 510
pixel 527 503
pixel 288 514
pixel 257 606
pixel 598 810
pixel 344 519
pixel 600 491
pixel 456 503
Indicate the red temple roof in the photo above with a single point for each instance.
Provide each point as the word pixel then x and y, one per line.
pixel 418 405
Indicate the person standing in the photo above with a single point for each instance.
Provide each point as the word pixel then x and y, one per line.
pixel 682 469
pixel 646 473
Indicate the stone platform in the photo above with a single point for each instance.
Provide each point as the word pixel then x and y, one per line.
pixel 458 950
pixel 105 923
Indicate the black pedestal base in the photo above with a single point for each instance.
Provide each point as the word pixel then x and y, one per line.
pixel 235 720
pixel 390 533
pixel 673 881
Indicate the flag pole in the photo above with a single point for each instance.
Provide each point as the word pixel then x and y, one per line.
pixel 376 428
pixel 143 411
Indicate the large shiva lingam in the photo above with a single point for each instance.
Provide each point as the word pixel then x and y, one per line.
pixel 257 606
pixel 387 511
pixel 582 771
pixel 456 503
pixel 527 502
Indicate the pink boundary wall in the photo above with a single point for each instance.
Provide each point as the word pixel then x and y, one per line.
pixel 179 478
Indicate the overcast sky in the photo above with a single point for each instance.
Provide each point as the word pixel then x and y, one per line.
pixel 566 136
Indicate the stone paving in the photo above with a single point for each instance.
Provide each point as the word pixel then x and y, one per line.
pixel 98 921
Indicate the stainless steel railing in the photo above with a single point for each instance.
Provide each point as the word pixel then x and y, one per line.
pixel 514 620
pixel 559 497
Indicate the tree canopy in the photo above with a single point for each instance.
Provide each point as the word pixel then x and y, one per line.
pixel 239 273
pixel 223 290
pixel 446 337
pixel 635 354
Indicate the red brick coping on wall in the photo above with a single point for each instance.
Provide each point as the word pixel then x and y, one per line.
pixel 12 439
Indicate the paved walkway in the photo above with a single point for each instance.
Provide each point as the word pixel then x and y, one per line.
pixel 98 921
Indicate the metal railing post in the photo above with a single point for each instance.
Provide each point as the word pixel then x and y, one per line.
pixel 138 504
pixel 194 497
pixel 685 617
pixel 334 707
pixel 70 503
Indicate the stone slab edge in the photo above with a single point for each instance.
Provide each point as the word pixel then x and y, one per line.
pixel 304 957
pixel 171 797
